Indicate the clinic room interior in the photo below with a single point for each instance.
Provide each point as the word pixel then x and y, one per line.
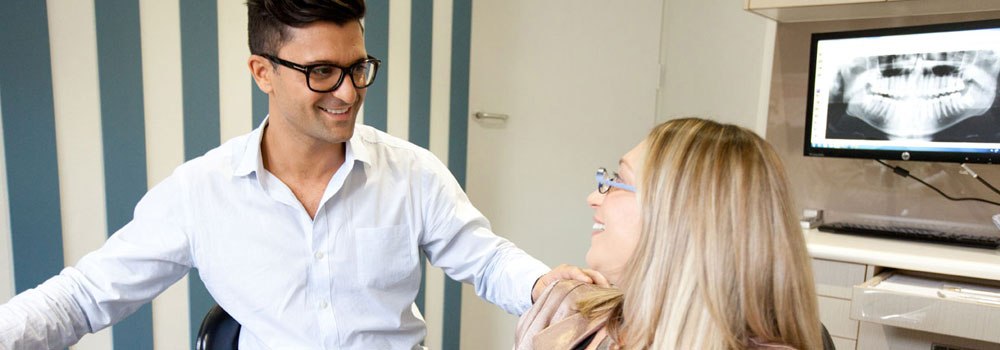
pixel 522 100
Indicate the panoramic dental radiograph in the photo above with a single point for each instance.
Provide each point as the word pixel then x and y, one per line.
pixel 943 96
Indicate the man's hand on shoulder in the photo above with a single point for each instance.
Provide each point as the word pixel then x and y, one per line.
pixel 567 272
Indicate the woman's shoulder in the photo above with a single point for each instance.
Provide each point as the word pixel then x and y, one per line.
pixel 565 290
pixel 556 303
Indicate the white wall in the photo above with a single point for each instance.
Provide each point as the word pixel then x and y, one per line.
pixel 716 61
pixel 593 99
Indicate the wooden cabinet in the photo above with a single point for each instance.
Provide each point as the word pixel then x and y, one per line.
pixel 828 10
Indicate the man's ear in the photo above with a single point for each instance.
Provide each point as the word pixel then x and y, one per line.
pixel 262 72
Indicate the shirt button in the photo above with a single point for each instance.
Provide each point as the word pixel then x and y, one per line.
pixel 319 255
pixel 323 305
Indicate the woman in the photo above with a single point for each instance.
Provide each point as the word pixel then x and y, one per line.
pixel 697 230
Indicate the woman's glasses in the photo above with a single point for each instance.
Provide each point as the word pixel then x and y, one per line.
pixel 605 181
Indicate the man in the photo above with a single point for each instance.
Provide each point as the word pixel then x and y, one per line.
pixel 308 229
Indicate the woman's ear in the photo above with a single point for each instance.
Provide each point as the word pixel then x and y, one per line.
pixel 262 72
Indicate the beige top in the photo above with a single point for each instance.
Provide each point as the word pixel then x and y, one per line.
pixel 553 321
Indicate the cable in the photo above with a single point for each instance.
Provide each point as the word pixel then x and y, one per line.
pixel 906 173
pixel 976 176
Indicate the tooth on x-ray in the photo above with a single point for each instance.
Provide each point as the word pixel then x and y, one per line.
pixel 914 96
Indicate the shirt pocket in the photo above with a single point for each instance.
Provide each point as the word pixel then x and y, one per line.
pixel 386 257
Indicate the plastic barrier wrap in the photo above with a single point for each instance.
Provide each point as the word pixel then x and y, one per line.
pixel 958 308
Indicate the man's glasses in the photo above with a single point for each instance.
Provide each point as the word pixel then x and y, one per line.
pixel 328 77
pixel 606 181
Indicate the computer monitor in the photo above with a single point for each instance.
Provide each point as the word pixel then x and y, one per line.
pixel 924 93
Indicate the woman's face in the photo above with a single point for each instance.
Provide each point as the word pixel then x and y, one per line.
pixel 616 220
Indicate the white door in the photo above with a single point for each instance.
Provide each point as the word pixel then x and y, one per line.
pixel 578 80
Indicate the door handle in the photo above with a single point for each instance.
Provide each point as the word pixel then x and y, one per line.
pixel 498 116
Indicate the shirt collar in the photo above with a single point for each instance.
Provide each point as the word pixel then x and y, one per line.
pixel 251 160
pixel 356 145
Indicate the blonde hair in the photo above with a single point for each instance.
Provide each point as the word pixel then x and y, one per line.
pixel 721 262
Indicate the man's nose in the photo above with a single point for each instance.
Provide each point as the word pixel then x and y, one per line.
pixel 346 91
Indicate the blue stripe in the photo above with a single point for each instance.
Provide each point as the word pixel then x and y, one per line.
pixel 421 299
pixel 119 55
pixel 458 139
pixel 260 105
pixel 421 37
pixel 200 71
pixel 377 42
pixel 421 41
pixel 30 142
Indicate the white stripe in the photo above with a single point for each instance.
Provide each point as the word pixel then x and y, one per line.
pixel 440 105
pixel 162 86
pixel 398 91
pixel 6 251
pixel 76 102
pixel 441 79
pixel 235 103
pixel 164 109
pixel 434 306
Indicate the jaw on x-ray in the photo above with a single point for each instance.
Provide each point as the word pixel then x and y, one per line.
pixel 944 96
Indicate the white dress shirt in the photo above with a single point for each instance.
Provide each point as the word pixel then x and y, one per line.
pixel 344 280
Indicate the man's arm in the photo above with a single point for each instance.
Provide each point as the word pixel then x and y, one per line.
pixel 46 317
pixel 458 239
pixel 137 263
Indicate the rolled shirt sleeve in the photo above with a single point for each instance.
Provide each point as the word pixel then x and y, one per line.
pixel 134 265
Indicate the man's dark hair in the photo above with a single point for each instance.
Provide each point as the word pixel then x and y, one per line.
pixel 268 20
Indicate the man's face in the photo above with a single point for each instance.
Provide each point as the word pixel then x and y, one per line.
pixel 314 117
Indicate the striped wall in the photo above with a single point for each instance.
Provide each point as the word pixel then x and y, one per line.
pixel 101 99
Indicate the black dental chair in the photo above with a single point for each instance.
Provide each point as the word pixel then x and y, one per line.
pixel 827 339
pixel 218 331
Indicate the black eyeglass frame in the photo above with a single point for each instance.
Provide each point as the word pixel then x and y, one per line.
pixel 308 69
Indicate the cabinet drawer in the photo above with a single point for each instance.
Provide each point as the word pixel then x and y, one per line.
pixel 935 304
pixel 844 344
pixel 836 316
pixel 881 337
pixel 837 279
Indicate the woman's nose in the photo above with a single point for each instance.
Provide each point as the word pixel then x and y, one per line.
pixel 594 199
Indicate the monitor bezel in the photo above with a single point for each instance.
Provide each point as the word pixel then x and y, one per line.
pixel 911 155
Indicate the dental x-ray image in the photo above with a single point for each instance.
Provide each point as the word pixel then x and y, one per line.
pixel 937 96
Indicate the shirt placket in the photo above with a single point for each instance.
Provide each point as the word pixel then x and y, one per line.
pixel 320 280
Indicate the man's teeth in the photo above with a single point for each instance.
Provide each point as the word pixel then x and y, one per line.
pixel 598 227
pixel 336 111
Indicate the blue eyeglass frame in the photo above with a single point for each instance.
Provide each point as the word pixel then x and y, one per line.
pixel 603 179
